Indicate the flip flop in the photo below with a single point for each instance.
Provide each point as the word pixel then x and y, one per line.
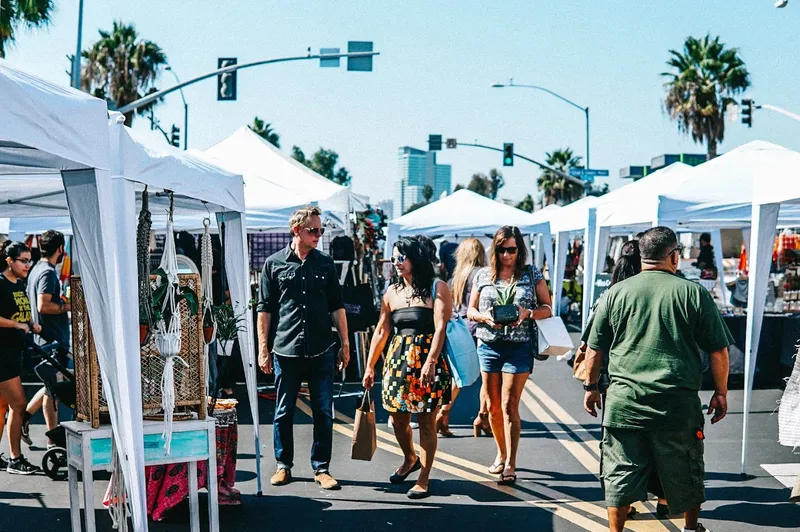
pixel 496 468
pixel 507 480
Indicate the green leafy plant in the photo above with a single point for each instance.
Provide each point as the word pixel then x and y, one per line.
pixel 181 294
pixel 505 296
pixel 228 322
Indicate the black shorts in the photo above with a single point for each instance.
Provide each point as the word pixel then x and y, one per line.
pixel 10 366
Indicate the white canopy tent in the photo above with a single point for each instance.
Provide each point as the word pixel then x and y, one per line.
pixel 49 132
pixel 464 214
pixel 576 217
pixel 775 184
pixel 291 183
pixel 56 146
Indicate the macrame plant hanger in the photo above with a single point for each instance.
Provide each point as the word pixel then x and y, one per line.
pixel 206 281
pixel 143 263
pixel 168 335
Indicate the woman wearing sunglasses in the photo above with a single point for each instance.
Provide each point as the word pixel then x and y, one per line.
pixel 15 324
pixel 506 351
pixel 416 378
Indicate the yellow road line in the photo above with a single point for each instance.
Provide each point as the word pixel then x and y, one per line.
pixel 531 396
pixel 551 506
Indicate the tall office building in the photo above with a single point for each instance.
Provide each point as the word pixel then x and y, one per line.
pixel 418 168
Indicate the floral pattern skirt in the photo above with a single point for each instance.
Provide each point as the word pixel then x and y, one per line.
pixel 402 390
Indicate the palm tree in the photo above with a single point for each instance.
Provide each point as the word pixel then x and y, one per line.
pixel 427 193
pixel 122 68
pixel 704 80
pixel 527 204
pixel 496 182
pixel 16 13
pixel 555 188
pixel 265 131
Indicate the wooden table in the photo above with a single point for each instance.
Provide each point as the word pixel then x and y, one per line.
pixel 89 450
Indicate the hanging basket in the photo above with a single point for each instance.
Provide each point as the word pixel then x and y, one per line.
pixel 168 343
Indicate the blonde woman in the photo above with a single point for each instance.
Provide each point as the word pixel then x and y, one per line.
pixel 470 257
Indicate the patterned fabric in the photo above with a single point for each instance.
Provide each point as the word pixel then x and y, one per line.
pixel 402 390
pixel 525 297
pixel 168 485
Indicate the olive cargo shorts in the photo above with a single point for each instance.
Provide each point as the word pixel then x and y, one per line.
pixel 628 455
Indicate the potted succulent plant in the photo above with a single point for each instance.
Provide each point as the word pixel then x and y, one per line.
pixel 209 327
pixel 504 310
pixel 228 326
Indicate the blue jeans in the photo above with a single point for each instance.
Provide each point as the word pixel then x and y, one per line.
pixel 289 373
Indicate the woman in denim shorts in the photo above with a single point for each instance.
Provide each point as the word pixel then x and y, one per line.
pixel 506 351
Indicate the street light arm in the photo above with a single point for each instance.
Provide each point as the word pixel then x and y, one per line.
pixel 548 91
pixel 156 95
pixel 780 110
pixel 177 80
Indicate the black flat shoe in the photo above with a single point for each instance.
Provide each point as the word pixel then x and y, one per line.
pixel 416 494
pixel 662 511
pixel 399 479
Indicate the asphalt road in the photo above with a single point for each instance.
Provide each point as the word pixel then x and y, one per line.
pixel 557 488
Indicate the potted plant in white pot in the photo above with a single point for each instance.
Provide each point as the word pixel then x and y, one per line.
pixel 228 326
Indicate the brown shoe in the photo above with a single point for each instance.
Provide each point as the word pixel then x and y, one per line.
pixel 281 477
pixel 326 481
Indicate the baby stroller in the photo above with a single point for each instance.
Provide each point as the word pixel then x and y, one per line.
pixel 48 368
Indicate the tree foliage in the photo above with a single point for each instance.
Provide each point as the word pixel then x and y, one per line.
pixel 122 68
pixel 704 79
pixel 266 132
pixel 427 193
pixel 324 163
pixel 526 204
pixel 28 14
pixel 557 189
pixel 485 185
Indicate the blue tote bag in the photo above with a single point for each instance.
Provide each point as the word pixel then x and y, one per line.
pixel 460 350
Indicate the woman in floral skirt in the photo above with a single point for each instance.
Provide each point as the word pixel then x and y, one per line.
pixel 416 378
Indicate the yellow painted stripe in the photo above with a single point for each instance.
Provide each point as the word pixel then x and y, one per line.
pixel 562 415
pixel 553 507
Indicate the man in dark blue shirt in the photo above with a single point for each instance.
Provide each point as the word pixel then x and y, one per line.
pixel 299 301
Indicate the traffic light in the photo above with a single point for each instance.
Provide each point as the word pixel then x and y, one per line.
pixel 508 154
pixel 226 83
pixel 747 112
pixel 434 143
pixel 175 136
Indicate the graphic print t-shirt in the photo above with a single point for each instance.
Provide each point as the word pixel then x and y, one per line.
pixel 14 306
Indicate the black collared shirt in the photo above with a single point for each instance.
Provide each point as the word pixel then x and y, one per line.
pixel 300 296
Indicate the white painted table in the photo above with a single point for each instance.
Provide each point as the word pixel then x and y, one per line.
pixel 89 450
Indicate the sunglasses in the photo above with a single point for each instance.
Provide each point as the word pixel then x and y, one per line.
pixel 510 250
pixel 679 249
pixel 316 231
pixel 400 259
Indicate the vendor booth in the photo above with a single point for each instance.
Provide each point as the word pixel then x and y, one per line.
pixel 464 214
pixel 776 190
pixel 60 157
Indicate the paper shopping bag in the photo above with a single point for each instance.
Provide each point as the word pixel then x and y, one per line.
pixel 364 438
pixel 554 339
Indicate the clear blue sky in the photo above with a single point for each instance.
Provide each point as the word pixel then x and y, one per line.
pixel 437 62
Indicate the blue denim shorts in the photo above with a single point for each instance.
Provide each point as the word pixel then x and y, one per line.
pixel 505 357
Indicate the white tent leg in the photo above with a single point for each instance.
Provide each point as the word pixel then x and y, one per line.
pixel 237 264
pixel 559 266
pixel 765 221
pixel 537 250
pixel 102 211
pixel 547 249
pixel 716 238
pixel 600 248
pixel 589 236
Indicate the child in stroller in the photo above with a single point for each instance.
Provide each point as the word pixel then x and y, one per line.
pixel 60 383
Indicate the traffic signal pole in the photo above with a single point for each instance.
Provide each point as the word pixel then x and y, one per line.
pixel 160 94
pixel 524 158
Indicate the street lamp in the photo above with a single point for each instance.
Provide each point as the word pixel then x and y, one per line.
pixel 185 110
pixel 585 110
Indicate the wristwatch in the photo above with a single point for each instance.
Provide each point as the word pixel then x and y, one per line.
pixel 592 387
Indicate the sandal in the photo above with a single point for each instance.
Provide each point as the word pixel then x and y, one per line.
pixel 443 425
pixel 507 480
pixel 497 468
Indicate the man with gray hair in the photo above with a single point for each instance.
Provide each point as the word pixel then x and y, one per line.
pixel 299 297
pixel 652 327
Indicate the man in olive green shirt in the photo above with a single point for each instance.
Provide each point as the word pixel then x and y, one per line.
pixel 652 327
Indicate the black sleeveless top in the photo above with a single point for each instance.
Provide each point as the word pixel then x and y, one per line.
pixel 412 321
